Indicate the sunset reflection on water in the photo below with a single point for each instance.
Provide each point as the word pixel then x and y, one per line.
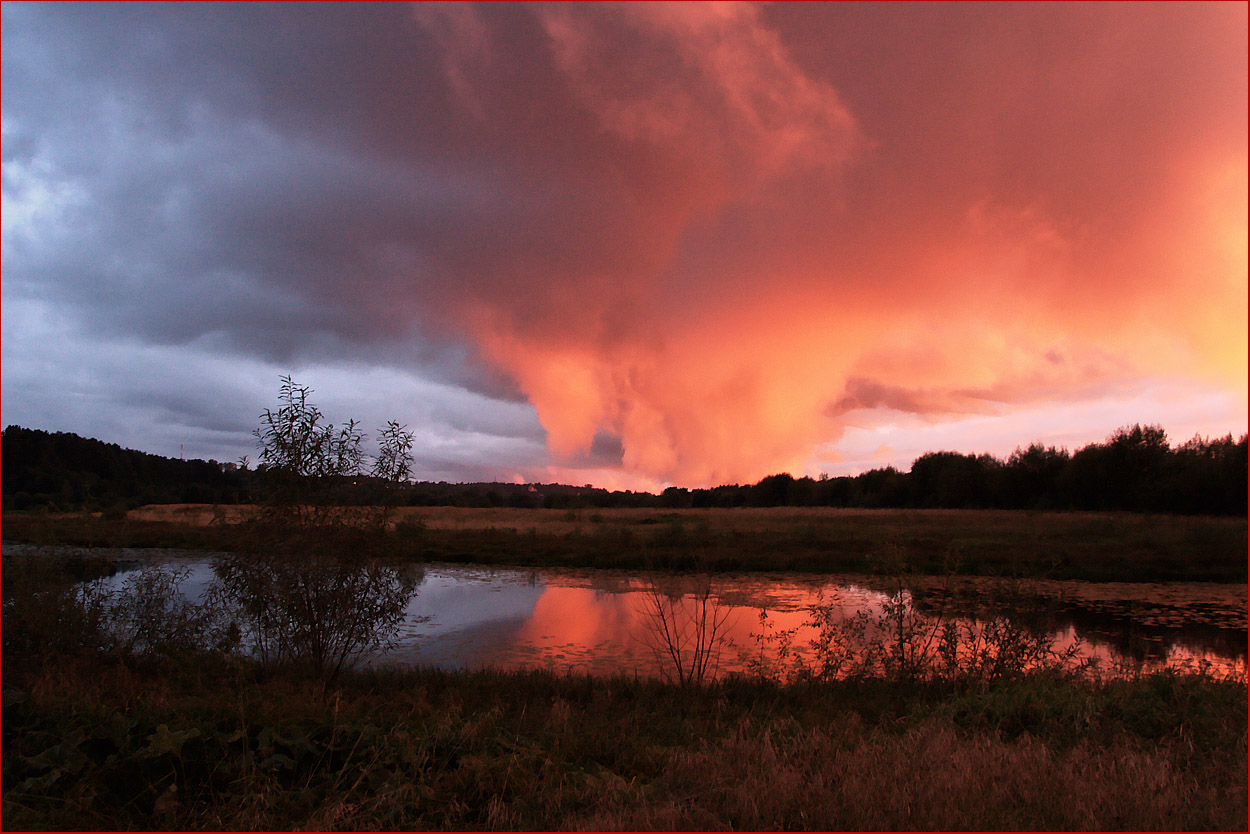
pixel 598 622
pixel 601 622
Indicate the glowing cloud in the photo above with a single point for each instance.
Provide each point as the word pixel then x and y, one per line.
pixel 758 262
pixel 633 244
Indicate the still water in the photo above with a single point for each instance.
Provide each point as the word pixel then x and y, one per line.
pixel 605 621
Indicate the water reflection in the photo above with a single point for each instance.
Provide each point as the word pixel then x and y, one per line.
pixel 596 621
pixel 603 622
pixel 684 623
pixel 314 611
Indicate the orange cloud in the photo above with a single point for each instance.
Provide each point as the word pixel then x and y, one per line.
pixel 749 248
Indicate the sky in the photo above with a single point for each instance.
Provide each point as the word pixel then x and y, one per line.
pixel 630 245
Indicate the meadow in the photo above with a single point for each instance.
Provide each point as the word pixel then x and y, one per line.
pixel 1055 545
pixel 132 713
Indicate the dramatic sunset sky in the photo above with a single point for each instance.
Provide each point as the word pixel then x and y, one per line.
pixel 631 245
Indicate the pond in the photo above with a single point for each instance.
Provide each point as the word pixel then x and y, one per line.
pixel 639 623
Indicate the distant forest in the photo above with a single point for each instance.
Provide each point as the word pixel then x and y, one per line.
pixel 1135 469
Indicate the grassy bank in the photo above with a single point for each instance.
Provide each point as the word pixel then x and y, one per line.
pixel 1057 545
pixel 110 745
pixel 127 711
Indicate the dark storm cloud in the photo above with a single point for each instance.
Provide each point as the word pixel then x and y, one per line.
pixel 694 236
pixel 219 176
pixel 299 183
pixel 193 399
pixel 295 165
pixel 242 189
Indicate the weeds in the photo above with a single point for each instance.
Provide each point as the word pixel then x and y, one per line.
pixel 903 644
pixel 94 745
pixel 936 712
pixel 47 612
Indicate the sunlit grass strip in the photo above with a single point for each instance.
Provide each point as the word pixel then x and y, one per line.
pixel 1088 546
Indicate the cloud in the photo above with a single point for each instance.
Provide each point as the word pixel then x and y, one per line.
pixel 715 87
pixel 662 243
pixel 194 400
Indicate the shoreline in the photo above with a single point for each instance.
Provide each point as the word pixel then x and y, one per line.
pixel 1091 547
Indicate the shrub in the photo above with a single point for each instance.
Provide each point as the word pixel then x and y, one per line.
pixel 46 612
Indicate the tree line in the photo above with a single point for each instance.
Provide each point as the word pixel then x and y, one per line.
pixel 63 471
pixel 1135 469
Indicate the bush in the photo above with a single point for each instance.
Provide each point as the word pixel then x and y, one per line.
pixel 51 614
pixel 905 644
pixel 47 613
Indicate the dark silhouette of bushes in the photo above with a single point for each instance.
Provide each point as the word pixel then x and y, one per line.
pixel 949 479
pixel 1030 478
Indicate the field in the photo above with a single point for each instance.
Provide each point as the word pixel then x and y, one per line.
pixel 1056 545
pixel 208 745
pixel 100 735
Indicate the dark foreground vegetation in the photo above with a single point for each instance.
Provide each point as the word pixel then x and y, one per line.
pixel 1134 470
pixel 132 707
pixel 112 747
pixel 121 715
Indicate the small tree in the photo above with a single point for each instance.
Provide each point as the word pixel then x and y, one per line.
pixel 305 459
pixel 394 461
pixel 392 466
pixel 310 466
pixel 312 591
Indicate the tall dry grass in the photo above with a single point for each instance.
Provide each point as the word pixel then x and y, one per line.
pixel 931 777
pixel 126 747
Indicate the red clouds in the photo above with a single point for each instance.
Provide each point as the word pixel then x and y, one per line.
pixel 728 229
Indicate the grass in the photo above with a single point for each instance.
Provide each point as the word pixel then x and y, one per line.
pixel 1056 545
pixel 109 745
pixel 99 736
